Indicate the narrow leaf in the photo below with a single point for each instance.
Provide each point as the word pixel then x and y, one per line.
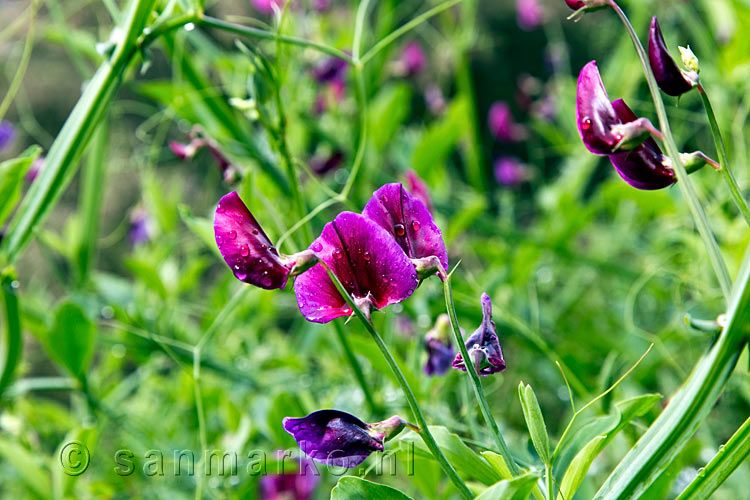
pixel 534 421
pixel 579 467
pixel 354 488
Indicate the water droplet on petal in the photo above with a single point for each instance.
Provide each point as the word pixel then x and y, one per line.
pixel 244 250
pixel 255 232
pixel 415 225
pixel 219 240
pixel 399 229
pixel 264 247
pixel 317 246
pixel 232 234
pixel 367 256
pixel 586 123
pixel 337 254
pixel 220 209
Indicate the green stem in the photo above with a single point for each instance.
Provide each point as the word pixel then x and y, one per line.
pixel 359 156
pixel 730 456
pixel 424 431
pixel 686 186
pixel 550 483
pixel 721 151
pixel 474 377
pixel 13 339
pixel 356 368
pixel 15 84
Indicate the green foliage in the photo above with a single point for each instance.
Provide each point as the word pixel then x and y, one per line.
pixel 70 340
pixel 354 488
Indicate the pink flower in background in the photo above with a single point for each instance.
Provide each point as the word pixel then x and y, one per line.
pixel 434 99
pixel 529 14
pixel 510 171
pixel 501 123
pixel 298 485
pixel 266 6
pixel 321 6
pixel 413 59
pixel 418 188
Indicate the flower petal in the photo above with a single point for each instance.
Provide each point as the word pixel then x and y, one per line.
pixel 245 247
pixel 667 74
pixel 484 343
pixel 594 113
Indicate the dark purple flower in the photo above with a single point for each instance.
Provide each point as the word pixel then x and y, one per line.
pixel 529 14
pixel 7 134
pixel 299 485
pixel 501 123
pixel 510 171
pixel 247 250
pixel 483 345
pixel 587 4
pixel 575 4
pixel 413 59
pixel 35 169
pixel 321 164
pixel 338 438
pixel 329 69
pixel 604 132
pixel 368 262
pixel 643 167
pixel 418 188
pixel 671 79
pixel 141 226
pixel 408 221
pixel 440 351
pixel 267 6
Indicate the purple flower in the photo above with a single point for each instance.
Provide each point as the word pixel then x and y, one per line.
pixel 329 69
pixel 197 142
pixel 408 221
pixel 575 4
pixel 418 188
pixel 322 164
pixel 501 123
pixel 321 6
pixel 289 486
pixel 247 250
pixel 7 134
pixel 413 59
pixel 483 345
pixel 529 14
pixel 440 352
pixel 671 79
pixel 35 169
pixel 643 167
pixel 267 6
pixel 604 132
pixel 141 226
pixel 510 172
pixel 368 262
pixel 434 99
pixel 338 438
pixel 587 4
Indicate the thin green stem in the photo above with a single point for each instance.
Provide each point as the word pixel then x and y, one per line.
pixel 474 376
pixel 363 130
pixel 15 84
pixel 222 316
pixel 424 431
pixel 686 186
pixel 13 338
pixel 359 24
pixel 550 482
pixel 356 368
pixel 721 151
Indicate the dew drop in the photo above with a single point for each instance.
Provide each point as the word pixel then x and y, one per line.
pixel 586 123
pixel 232 234
pixel 399 229
pixel 337 254
pixel 415 225
pixel 219 240
pixel 244 250
pixel 241 276
pixel 255 232
pixel 317 246
pixel 367 256
pixel 236 267
pixel 220 209
pixel 264 247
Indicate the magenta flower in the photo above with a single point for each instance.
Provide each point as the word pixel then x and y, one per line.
pixel 247 250
pixel 586 4
pixel 373 268
pixel 604 132
pixel 529 14
pixel 483 345
pixel 419 189
pixel 501 123
pixel 321 6
pixel 338 438
pixel 35 169
pixel 267 6
pixel 575 4
pixel 408 221
pixel 290 486
pixel 643 167
pixel 510 171
pixel 187 151
pixel 440 351
pixel 413 59
pixel 671 79
pixel 7 134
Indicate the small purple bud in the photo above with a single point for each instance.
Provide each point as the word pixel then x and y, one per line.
pixel 413 59
pixel 419 189
pixel 529 14
pixel 440 352
pixel 338 438
pixel 141 226
pixel 671 79
pixel 510 172
pixel 7 134
pixel 298 485
pixel 365 258
pixel 35 169
pixel 483 345
pixel 501 123
pixel 408 221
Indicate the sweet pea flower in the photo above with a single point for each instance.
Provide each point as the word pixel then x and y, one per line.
pixel 35 169
pixel 334 437
pixel 671 79
pixel 267 6
pixel 510 171
pixel 321 6
pixel 321 164
pixel 440 352
pixel 501 123
pixel 584 5
pixel 410 224
pixel 289 486
pixel 329 69
pixel 434 99
pixel 141 226
pixel 198 141
pixel 247 250
pixel 7 134
pixel 483 345
pixel 413 59
pixel 529 14
pixel 367 261
pixel 418 188
pixel 602 130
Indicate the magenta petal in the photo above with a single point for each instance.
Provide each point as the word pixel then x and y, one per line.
pixel 367 261
pixel 334 437
pixel 245 247
pixel 298 485
pixel 595 115
pixel 406 218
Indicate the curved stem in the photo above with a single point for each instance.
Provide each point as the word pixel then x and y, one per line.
pixel 356 368
pixel 424 431
pixel 721 151
pixel 474 377
pixel 363 131
pixel 686 186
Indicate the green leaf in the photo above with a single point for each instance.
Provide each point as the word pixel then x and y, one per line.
pixel 27 467
pixel 387 111
pixel 70 341
pixel 511 489
pixel 579 467
pixel 440 139
pixel 12 173
pixel 202 227
pixel 534 421
pixel 354 488
pixel 498 463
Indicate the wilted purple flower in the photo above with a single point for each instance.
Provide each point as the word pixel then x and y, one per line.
pixel 501 123
pixel 671 79
pixel 643 167
pixel 368 262
pixel 408 221
pixel 7 134
pixel 418 188
pixel 338 438
pixel 434 99
pixel 440 351
pixel 329 69
pixel 247 250
pixel 483 345
pixel 413 59
pixel 141 226
pixel 321 164
pixel 604 132
pixel 35 169
pixel 267 6
pixel 183 151
pixel 529 14
pixel 510 171
pixel 289 486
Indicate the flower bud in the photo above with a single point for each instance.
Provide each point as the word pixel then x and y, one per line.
pixel 440 352
pixel 671 79
pixel 689 59
pixel 483 345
